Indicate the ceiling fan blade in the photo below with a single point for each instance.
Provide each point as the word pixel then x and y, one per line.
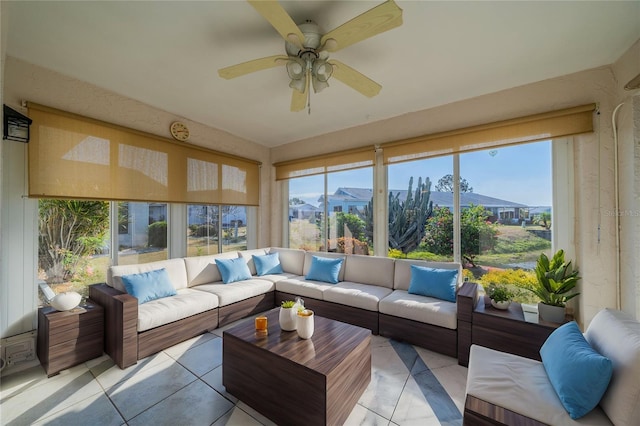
pixel 354 79
pixel 299 100
pixel 381 18
pixel 273 12
pixel 252 66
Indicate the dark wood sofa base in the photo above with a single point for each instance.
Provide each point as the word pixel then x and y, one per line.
pixel 432 337
pixel 336 311
pixel 244 308
pixel 478 412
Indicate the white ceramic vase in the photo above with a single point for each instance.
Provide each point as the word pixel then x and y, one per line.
pixel 305 324
pixel 66 301
pixel 551 313
pixel 501 305
pixel 287 319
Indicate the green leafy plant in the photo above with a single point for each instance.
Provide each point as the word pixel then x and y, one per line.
pixel 555 278
pixel 499 293
pixel 287 304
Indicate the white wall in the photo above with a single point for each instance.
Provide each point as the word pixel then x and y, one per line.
pixel 23 81
pixel 593 162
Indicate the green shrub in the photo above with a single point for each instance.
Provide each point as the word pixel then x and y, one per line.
pixel 158 234
pixel 396 254
pixel 519 281
pixel 205 231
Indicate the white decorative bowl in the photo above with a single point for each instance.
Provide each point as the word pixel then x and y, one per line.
pixel 500 305
pixel 66 301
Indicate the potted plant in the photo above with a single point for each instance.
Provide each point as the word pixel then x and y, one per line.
pixel 500 296
pixel 287 317
pixel 555 279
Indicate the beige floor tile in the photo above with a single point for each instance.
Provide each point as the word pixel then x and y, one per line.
pixel 96 410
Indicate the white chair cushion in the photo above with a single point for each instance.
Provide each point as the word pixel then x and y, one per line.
pixel 369 270
pixel 402 271
pixel 423 309
pixel 363 296
pixel 291 260
pixel 175 268
pixel 299 286
pixel 616 335
pixel 521 385
pixel 236 291
pixel 203 269
pixel 163 311
pixel 248 256
pixel 308 257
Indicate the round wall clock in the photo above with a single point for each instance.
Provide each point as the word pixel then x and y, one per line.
pixel 179 131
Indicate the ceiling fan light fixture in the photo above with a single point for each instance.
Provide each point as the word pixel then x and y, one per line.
pixel 298 84
pixel 295 69
pixel 322 70
pixel 318 85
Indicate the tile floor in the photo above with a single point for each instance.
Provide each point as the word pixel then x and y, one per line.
pixel 182 385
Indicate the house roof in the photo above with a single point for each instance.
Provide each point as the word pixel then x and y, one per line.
pixel 442 199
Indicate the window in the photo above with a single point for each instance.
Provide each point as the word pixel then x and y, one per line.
pixel 420 213
pixel 234 228
pixel 346 197
pixel 202 229
pixel 73 243
pixel 145 239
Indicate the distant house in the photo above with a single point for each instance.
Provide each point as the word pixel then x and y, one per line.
pixel 303 211
pixel 352 200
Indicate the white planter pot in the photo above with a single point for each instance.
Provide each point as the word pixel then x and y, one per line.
pixel 501 305
pixel 66 301
pixel 551 313
pixel 288 319
pixel 305 324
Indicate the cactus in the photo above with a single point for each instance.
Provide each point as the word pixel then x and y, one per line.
pixel 407 218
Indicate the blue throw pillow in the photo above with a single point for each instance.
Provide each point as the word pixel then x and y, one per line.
pixel 148 286
pixel 267 264
pixel 324 269
pixel 432 282
pixel 233 270
pixel 578 374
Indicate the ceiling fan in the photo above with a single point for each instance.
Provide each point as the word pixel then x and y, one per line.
pixel 307 59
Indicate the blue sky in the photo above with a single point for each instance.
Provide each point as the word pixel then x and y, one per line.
pixel 520 173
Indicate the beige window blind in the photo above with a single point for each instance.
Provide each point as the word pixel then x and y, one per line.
pixel 71 156
pixel 334 162
pixel 554 124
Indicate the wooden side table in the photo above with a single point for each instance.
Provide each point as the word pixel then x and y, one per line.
pixel 69 338
pixel 509 330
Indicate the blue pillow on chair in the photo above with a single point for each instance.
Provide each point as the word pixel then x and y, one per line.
pixel 324 269
pixel 233 270
pixel 432 282
pixel 148 286
pixel 267 264
pixel 579 375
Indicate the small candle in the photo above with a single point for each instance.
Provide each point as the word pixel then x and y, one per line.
pixel 261 323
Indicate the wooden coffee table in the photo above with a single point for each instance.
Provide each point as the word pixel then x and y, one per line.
pixel 294 381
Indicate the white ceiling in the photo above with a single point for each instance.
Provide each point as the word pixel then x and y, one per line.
pixel 167 53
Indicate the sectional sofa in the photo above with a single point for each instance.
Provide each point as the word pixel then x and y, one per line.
pixel 370 292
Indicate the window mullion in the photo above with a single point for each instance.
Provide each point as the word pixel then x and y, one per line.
pixel 457 246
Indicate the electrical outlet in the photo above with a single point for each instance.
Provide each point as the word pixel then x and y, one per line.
pixel 21 347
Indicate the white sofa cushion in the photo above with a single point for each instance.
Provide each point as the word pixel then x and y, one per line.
pixel 363 296
pixel 291 260
pixel 248 256
pixel 274 278
pixel 369 270
pixel 402 271
pixel 299 286
pixel 616 335
pixel 175 268
pixel 203 269
pixel 308 257
pixel 163 311
pixel 236 291
pixel 521 385
pixel 423 309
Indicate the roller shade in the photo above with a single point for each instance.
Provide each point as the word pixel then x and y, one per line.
pixel 334 162
pixel 71 156
pixel 555 124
